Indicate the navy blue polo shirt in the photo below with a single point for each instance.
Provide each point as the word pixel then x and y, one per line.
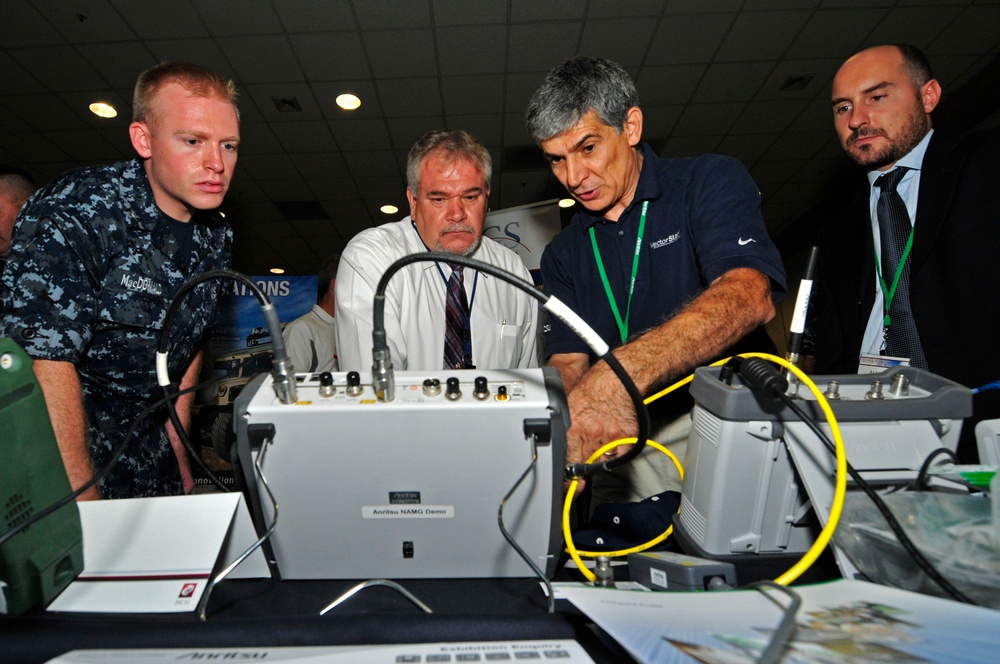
pixel 703 220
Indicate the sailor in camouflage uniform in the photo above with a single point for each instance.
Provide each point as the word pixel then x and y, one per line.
pixel 98 256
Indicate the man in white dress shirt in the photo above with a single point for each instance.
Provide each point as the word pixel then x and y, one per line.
pixel 311 339
pixel 448 177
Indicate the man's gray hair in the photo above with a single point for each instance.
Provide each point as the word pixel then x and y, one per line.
pixel 575 87
pixel 455 144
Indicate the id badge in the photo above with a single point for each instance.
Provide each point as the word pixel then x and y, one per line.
pixel 872 363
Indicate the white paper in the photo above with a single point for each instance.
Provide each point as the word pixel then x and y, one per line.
pixel 152 555
pixel 560 651
pixel 847 621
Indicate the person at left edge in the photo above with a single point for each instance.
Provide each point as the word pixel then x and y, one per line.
pixel 16 187
pixel 448 176
pixel 96 258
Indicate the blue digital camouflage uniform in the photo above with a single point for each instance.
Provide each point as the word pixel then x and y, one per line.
pixel 93 268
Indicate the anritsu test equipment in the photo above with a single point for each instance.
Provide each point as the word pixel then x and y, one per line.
pixel 408 488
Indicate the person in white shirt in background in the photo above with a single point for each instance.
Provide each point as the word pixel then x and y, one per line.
pixel 311 339
pixel 448 177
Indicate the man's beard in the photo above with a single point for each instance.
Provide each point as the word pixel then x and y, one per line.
pixel 911 133
pixel 468 251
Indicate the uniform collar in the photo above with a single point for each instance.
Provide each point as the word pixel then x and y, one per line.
pixel 144 212
pixel 647 189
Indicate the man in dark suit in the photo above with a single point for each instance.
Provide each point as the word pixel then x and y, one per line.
pixel 940 291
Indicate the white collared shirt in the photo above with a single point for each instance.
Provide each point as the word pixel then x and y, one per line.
pixel 503 318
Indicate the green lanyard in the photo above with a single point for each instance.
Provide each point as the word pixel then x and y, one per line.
pixel 622 324
pixel 888 293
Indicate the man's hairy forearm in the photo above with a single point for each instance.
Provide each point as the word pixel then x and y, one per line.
pixel 734 305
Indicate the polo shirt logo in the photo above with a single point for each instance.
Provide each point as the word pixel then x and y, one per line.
pixel 142 284
pixel 670 239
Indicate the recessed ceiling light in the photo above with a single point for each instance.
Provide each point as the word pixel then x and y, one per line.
pixel 348 102
pixel 103 110
pixel 389 209
pixel 277 270
pixel 566 202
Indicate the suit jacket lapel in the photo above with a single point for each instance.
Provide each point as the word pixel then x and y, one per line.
pixel 938 180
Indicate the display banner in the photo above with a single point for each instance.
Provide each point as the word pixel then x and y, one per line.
pixel 526 230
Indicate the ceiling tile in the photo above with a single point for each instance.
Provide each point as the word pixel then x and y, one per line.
pixel 486 127
pixel 35 147
pixel 974 31
pixel 314 15
pixel 268 166
pixel 261 58
pixel 613 8
pixel 465 95
pixel 254 17
pixel 624 41
pixel 550 10
pixel 328 165
pixel 798 145
pixel 204 52
pixel 468 12
pixel 688 38
pixel 659 121
pixel 264 96
pixel 822 72
pixel 285 190
pixel 46 112
pixel 401 53
pixel 514 131
pixel 408 97
pixel 698 6
pixel 541 46
pixel 331 56
pixel 754 5
pixel 257 138
pixel 15 78
pixel 308 136
pixel 23 26
pixel 119 63
pixel 360 134
pixel 405 131
pixel 472 49
pixel 913 25
pixel 707 119
pixel 60 68
pixel 762 35
pixel 85 21
pixel 748 148
pixel 342 188
pixel 520 87
pixel 161 20
pixel 373 163
pixel 834 32
pixel 387 14
pixel 242 189
pixel 769 116
pixel 732 81
pixel 689 146
pixel 668 85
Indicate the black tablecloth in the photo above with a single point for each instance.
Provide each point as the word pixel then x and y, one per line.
pixel 258 613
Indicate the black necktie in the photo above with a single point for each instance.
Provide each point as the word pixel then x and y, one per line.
pixel 456 312
pixel 902 338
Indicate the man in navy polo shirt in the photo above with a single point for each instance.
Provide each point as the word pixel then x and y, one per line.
pixel 668 260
